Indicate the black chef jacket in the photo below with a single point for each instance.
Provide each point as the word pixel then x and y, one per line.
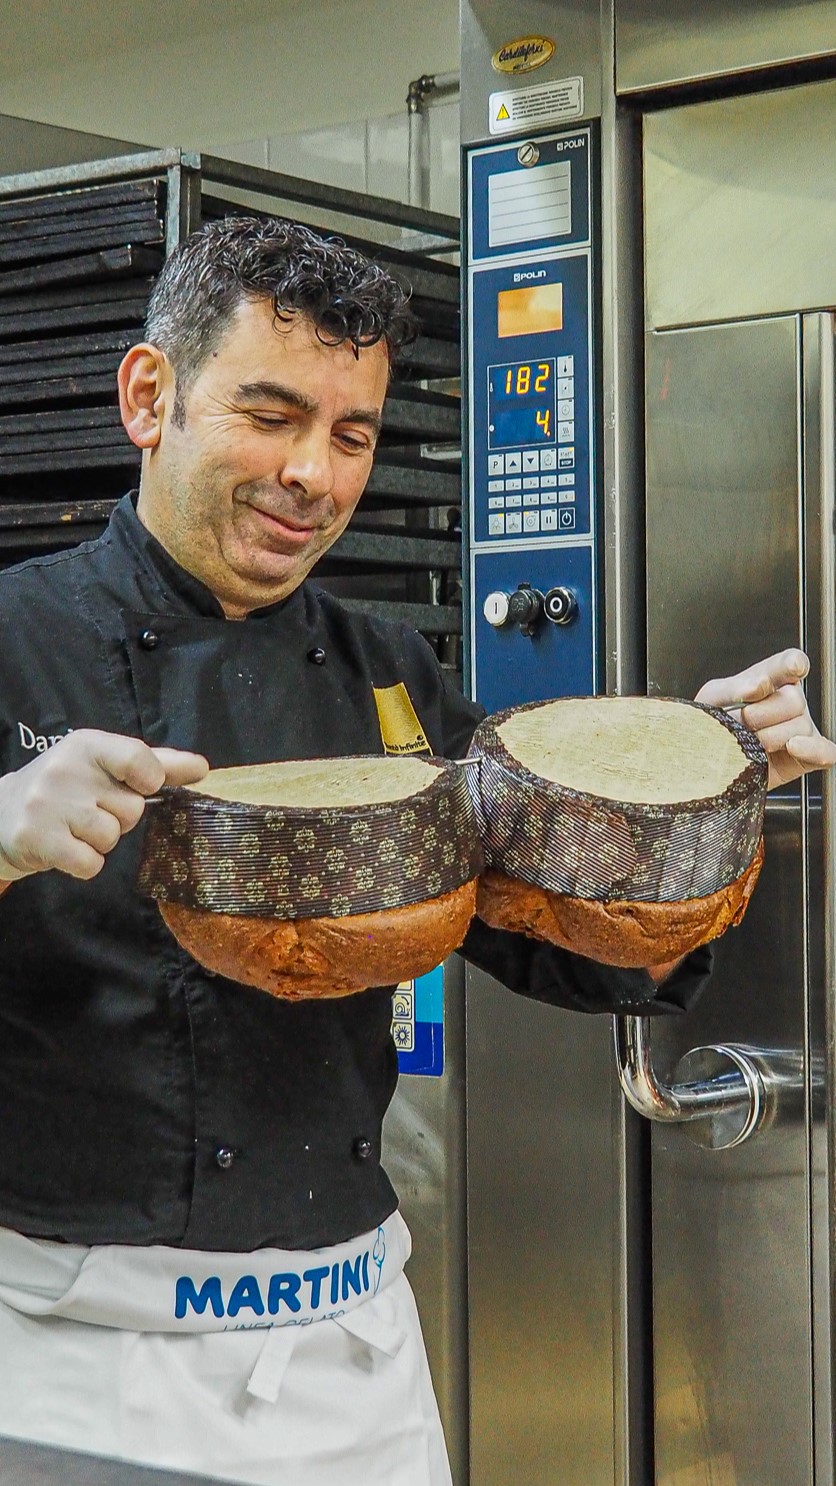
pixel 143 1100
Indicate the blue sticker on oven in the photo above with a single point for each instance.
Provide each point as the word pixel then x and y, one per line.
pixel 418 1024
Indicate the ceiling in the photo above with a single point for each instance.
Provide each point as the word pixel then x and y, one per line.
pixel 39 34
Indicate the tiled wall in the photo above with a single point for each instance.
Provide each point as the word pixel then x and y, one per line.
pixel 369 155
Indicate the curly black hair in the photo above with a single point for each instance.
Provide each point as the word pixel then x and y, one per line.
pixel 347 297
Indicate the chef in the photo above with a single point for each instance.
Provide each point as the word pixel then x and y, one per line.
pixel 201 1258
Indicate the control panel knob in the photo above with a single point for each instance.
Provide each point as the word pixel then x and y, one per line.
pixel 560 605
pixel 525 608
pixel 495 609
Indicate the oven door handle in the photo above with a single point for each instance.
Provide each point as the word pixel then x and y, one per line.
pixel 723 1094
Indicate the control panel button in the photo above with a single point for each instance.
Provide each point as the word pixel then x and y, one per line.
pixel 525 608
pixel 495 609
pixel 531 520
pixel 531 482
pixel 565 366
pixel 548 482
pixel 566 387
pixel 548 520
pixel 531 459
pixel 566 519
pixel 564 480
pixel 496 502
pixel 560 605
pixel 513 464
pixel 513 522
pixel 496 485
pixel 566 458
pixel 548 497
pixel 565 433
pixel 548 459
pixel 531 498
pixel 496 464
pixel 566 496
pixel 566 408
pixel 513 500
pixel 496 525
pixel 515 484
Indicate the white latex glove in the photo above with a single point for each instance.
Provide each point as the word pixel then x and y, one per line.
pixel 775 707
pixel 70 806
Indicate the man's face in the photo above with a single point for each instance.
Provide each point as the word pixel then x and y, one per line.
pixel 271 459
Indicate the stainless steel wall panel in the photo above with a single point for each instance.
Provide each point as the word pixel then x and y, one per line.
pixel 541 1231
pixel 424 1154
pixel 740 206
pixel 574 26
pixel 28 145
pixel 722 487
pixel 676 41
pixel 731 1230
pixel 625 649
pixel 819 589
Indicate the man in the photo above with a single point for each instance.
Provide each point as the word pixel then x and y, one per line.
pixel 179 1152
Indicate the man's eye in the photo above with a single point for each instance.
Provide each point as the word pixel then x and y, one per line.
pixel 268 420
pixel 360 445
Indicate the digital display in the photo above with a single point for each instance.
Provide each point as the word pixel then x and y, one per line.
pixel 521 404
pixel 530 311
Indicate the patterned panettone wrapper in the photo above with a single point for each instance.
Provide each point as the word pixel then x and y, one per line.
pixel 294 862
pixel 578 844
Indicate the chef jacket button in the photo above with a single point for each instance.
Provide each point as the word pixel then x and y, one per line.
pixel 224 1156
pixel 317 655
pixel 362 1148
pixel 149 639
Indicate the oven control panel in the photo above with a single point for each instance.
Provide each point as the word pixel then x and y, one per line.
pixel 532 412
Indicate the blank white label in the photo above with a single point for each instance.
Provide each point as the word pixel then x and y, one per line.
pixel 524 205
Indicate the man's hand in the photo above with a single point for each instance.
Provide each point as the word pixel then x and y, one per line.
pixel 775 707
pixel 72 804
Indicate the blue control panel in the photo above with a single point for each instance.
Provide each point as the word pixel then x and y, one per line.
pixel 531 425
pixel 533 472
pixel 556 661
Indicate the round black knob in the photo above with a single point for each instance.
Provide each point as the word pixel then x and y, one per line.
pixel 149 639
pixel 224 1156
pixel 362 1148
pixel 525 608
pixel 560 605
pixel 317 656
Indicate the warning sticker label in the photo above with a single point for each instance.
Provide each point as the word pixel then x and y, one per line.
pixel 541 103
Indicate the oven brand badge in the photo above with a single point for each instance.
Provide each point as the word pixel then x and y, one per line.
pixel 523 54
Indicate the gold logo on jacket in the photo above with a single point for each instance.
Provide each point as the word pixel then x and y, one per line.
pixel 400 728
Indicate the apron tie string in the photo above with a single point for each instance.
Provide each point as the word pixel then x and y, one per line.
pixel 265 1380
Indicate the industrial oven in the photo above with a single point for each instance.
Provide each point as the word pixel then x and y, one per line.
pixel 650 275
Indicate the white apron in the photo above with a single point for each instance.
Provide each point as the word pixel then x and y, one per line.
pixel 275 1368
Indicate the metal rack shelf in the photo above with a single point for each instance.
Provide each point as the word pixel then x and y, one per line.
pixel 79 250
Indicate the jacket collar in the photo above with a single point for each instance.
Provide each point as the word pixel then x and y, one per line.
pixel 177 588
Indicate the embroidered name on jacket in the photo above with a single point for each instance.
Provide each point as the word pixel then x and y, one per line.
pixel 34 742
pixel 400 727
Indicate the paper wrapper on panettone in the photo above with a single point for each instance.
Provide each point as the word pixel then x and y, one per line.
pixel 628 829
pixel 317 877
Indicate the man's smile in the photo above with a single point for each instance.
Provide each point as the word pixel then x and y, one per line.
pixel 289 528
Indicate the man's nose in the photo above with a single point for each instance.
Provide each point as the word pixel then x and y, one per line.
pixel 308 467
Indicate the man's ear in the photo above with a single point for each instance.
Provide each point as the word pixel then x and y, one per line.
pixel 146 382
